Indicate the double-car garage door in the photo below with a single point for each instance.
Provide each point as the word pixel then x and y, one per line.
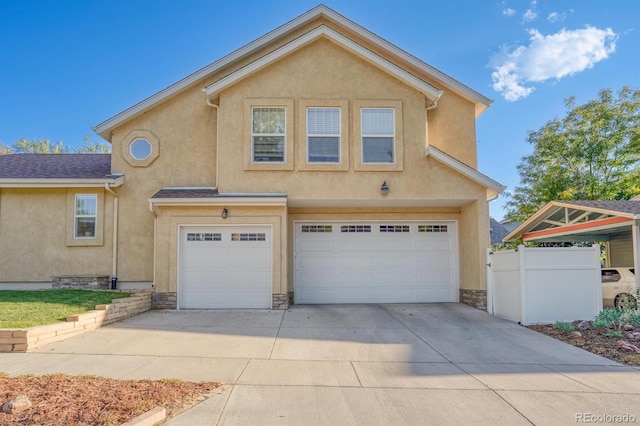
pixel 335 262
pixel 375 262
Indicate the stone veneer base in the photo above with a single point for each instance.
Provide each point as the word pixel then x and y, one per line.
pixel 475 298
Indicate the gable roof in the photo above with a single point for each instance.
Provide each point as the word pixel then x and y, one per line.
pixel 323 31
pixel 481 102
pixel 562 218
pixel 493 188
pixel 497 231
pixel 42 170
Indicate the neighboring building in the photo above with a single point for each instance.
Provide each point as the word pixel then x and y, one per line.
pixel 497 232
pixel 318 162
pixel 616 223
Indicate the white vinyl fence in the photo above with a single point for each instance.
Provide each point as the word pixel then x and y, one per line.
pixel 543 285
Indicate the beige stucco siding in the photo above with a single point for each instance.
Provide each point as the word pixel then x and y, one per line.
pixel 185 129
pixel 324 70
pixel 35 225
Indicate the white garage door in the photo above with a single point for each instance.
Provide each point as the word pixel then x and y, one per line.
pixel 225 267
pixel 375 262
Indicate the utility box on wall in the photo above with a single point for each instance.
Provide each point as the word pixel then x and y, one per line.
pixel 543 285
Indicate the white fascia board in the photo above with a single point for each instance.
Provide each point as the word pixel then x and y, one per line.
pixel 569 205
pixel 531 222
pixel 219 201
pixel 104 128
pixel 550 208
pixel 481 102
pixel 493 188
pixel 60 183
pixel 425 88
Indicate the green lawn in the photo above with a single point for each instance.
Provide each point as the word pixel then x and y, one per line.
pixel 21 309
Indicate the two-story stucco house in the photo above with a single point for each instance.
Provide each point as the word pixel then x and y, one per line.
pixel 317 164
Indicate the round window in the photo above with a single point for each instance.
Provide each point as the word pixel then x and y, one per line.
pixel 140 149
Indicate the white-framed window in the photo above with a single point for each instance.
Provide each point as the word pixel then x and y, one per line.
pixel 268 134
pixel 323 135
pixel 378 135
pixel 140 149
pixel 85 216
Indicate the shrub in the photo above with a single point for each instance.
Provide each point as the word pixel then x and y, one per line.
pixel 607 318
pixel 564 326
pixel 630 317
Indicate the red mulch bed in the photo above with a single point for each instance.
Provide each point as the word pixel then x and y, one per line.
pixel 87 400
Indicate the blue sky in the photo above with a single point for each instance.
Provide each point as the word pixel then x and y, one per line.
pixel 68 65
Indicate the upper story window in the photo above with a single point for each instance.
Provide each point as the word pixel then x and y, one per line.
pixel 323 135
pixel 378 135
pixel 140 149
pixel 85 216
pixel 268 134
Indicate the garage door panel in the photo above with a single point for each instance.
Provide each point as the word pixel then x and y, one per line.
pixel 395 279
pixel 354 244
pixel 395 260
pixel 225 273
pixel 402 263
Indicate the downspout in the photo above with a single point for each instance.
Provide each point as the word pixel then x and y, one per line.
pixel 114 266
pixel 217 107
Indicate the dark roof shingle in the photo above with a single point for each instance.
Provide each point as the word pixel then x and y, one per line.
pixel 622 206
pixel 55 166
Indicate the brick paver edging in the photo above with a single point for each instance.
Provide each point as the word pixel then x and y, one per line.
pixel 26 339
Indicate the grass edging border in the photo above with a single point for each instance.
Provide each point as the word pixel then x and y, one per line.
pixel 27 339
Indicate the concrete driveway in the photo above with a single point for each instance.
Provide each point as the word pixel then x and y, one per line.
pixel 354 364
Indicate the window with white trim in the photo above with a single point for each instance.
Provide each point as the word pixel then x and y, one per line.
pixel 323 135
pixel 268 130
pixel 250 236
pixel 433 228
pixel 85 216
pixel 378 135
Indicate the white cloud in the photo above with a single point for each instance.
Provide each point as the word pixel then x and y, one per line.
pixel 508 12
pixel 549 57
pixel 556 17
pixel 529 15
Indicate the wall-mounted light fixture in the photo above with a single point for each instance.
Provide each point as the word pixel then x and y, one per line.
pixel 384 188
pixel 225 213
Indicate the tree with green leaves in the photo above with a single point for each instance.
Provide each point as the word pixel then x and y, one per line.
pixel 593 153
pixel 39 146
pixel 45 146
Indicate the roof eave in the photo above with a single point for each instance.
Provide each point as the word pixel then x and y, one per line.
pixel 494 189
pixel 323 31
pixel 552 205
pixel 60 183
pixel 105 128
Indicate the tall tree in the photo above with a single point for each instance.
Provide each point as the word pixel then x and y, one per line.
pixel 39 146
pixel 45 146
pixel 593 153
pixel 90 147
pixel 4 149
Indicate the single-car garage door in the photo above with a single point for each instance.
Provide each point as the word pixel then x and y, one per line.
pixel 225 267
pixel 375 262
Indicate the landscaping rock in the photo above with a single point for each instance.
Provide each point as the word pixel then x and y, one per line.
pixel 576 334
pixel 17 404
pixel 635 335
pixel 628 327
pixel 624 345
pixel 584 325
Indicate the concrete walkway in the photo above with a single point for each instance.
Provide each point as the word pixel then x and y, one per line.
pixel 354 365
